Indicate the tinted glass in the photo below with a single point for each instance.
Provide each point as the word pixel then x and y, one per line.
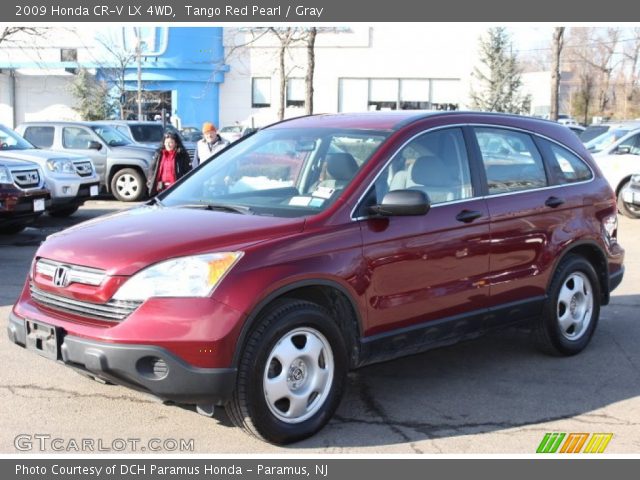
pixel 76 138
pixel 511 160
pixel 41 137
pixel 567 166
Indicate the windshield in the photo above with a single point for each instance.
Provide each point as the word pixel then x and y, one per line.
pixel 111 136
pixel 608 138
pixel 280 172
pixel 10 140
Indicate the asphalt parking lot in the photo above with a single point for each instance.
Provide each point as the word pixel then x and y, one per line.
pixel 495 395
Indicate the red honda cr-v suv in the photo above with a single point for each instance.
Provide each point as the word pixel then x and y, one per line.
pixel 325 243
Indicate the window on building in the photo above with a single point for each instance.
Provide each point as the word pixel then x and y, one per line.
pixel 414 94
pixel 68 54
pixel 260 92
pixel 295 92
pixel 383 94
pixel 359 94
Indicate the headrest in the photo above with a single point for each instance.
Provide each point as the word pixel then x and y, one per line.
pixel 430 170
pixel 341 166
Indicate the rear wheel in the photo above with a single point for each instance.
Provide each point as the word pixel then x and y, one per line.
pixel 291 375
pixel 573 307
pixel 128 185
pixel 629 210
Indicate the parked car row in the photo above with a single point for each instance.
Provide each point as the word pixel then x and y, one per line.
pixel 34 180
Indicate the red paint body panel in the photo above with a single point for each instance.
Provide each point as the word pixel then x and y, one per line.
pixel 398 272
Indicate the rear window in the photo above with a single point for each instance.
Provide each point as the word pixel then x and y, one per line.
pixel 41 137
pixel 147 133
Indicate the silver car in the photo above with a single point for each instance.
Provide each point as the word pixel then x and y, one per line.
pixel 122 165
pixel 71 179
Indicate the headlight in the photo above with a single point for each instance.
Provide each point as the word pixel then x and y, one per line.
pixel 61 165
pixel 5 176
pixel 194 276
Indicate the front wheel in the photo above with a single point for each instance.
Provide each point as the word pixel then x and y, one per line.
pixel 572 310
pixel 291 375
pixel 128 185
pixel 629 210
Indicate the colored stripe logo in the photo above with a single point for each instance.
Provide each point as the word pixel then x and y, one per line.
pixel 558 442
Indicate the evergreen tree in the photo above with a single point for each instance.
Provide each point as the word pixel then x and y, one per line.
pixel 94 102
pixel 499 76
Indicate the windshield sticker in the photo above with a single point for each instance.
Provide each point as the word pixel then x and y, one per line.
pixel 316 202
pixel 300 201
pixel 323 192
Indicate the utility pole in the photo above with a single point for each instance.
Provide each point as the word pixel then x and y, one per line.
pixel 139 63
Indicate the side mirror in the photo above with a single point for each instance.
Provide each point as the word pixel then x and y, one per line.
pixel 93 145
pixel 623 150
pixel 402 203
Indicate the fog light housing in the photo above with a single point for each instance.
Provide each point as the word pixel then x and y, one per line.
pixel 153 368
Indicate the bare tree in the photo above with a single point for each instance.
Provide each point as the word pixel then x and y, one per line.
pixel 8 34
pixel 558 41
pixel 114 72
pixel 630 80
pixel 311 66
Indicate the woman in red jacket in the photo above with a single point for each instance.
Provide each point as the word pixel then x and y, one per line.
pixel 170 162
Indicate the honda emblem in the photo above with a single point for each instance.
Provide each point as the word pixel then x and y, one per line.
pixel 61 277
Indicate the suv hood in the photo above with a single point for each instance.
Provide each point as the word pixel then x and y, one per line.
pixel 36 155
pixel 126 242
pixel 132 151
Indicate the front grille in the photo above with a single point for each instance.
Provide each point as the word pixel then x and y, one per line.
pixel 84 169
pixel 26 178
pixel 113 310
pixel 75 273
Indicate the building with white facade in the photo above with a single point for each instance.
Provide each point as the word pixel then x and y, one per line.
pixel 358 68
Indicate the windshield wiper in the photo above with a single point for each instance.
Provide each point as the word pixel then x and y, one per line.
pixel 225 207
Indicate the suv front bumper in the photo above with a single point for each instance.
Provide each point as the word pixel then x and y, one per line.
pixel 143 367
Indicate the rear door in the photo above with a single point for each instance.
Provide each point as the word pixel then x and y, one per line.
pixel 531 217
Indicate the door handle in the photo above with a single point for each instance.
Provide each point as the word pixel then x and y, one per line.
pixel 553 202
pixel 468 216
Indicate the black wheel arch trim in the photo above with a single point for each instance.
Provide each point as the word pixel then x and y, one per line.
pixel 259 307
pixel 603 277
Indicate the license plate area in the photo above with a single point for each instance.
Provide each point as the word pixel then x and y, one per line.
pixel 93 190
pixel 42 339
pixel 38 205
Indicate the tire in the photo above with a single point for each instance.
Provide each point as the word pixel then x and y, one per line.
pixel 63 212
pixel 627 209
pixel 571 314
pixel 291 374
pixel 128 185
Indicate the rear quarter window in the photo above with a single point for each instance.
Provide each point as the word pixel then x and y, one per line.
pixel 567 167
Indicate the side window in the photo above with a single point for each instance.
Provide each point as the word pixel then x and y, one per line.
pixel 41 137
pixel 76 138
pixel 567 167
pixel 435 163
pixel 632 143
pixel 511 160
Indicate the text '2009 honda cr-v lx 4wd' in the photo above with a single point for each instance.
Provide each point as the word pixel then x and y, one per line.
pixel 325 243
